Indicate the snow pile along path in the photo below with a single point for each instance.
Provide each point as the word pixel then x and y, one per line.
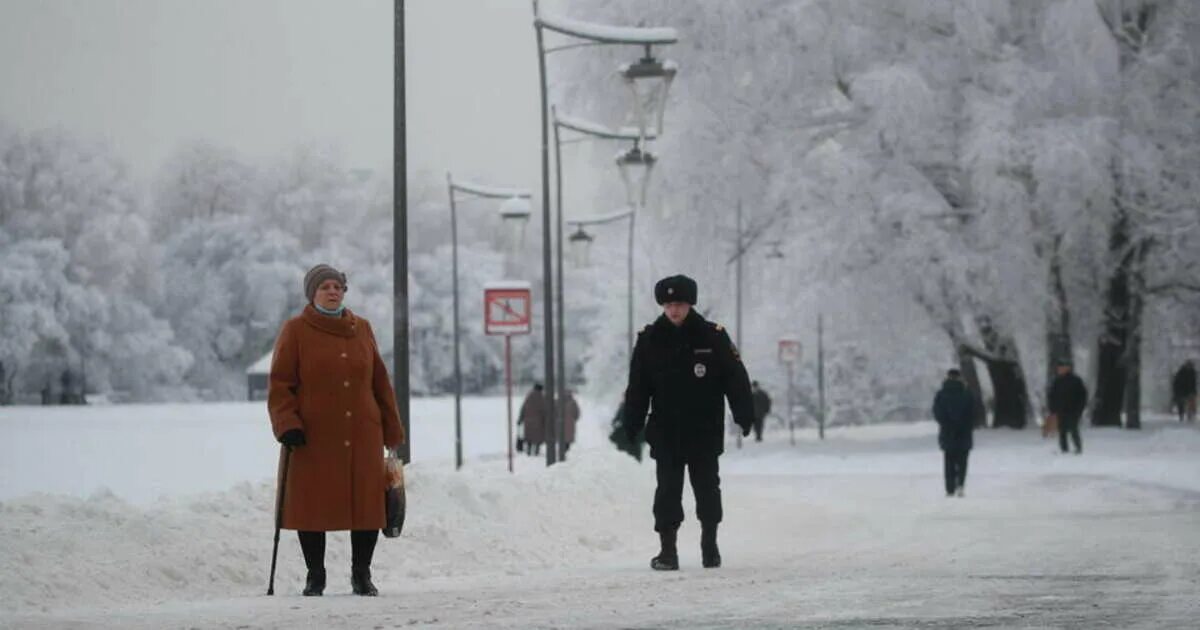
pixel 100 551
pixel 850 532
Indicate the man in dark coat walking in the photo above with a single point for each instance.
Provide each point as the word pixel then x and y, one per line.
pixel 1183 391
pixel 1067 400
pixel 683 369
pixel 954 410
pixel 762 407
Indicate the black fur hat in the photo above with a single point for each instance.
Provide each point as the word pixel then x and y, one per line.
pixel 676 289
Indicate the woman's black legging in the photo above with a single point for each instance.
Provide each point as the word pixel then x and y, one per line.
pixel 362 548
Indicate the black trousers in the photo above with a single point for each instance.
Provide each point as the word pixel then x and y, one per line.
pixel 362 548
pixel 1069 426
pixel 668 497
pixel 758 428
pixel 956 469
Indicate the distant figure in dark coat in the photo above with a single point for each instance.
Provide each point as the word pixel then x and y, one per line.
pixel 762 407
pixel 1183 391
pixel 1067 400
pixel 532 419
pixel 954 410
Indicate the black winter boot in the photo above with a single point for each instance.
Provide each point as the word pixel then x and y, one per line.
pixel 668 557
pixel 710 555
pixel 360 581
pixel 314 584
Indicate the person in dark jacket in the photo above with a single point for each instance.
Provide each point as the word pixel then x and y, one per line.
pixel 531 419
pixel 1067 400
pixel 683 369
pixel 762 407
pixel 954 410
pixel 1183 391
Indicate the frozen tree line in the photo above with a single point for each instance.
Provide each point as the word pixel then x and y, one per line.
pixel 170 289
pixel 994 185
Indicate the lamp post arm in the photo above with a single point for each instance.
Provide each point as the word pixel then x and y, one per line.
pixel 600 219
pixel 604 33
pixel 489 192
pixel 598 130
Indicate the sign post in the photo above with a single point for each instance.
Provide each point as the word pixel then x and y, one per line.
pixel 506 311
pixel 789 355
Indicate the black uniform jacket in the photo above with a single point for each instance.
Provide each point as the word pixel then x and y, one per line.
pixel 682 375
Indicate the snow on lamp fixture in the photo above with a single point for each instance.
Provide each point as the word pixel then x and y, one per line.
pixel 635 166
pixel 515 213
pixel 648 81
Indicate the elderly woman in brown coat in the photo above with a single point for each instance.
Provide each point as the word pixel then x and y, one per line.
pixel 331 403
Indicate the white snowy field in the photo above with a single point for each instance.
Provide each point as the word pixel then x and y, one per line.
pixel 852 532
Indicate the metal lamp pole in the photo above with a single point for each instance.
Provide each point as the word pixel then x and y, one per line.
pixel 400 238
pixel 476 192
pixel 635 191
pixel 746 238
pixel 593 35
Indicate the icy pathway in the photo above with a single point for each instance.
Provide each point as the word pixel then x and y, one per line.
pixel 852 533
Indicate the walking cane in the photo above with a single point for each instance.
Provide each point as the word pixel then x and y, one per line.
pixel 287 458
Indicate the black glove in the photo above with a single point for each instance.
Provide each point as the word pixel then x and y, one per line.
pixel 746 429
pixel 292 437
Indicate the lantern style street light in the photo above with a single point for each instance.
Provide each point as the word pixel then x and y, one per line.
pixel 648 81
pixel 515 212
pixel 581 247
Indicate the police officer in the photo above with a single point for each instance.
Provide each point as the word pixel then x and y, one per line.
pixel 683 369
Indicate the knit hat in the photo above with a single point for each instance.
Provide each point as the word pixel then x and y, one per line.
pixel 676 289
pixel 319 274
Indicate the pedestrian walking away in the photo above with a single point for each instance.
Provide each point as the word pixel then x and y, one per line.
pixel 762 407
pixel 682 371
pixel 954 411
pixel 331 405
pixel 1183 391
pixel 570 419
pixel 532 418
pixel 1067 400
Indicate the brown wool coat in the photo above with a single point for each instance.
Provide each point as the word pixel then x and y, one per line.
pixel 570 419
pixel 533 412
pixel 328 379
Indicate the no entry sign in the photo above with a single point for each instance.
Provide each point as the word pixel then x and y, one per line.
pixel 506 308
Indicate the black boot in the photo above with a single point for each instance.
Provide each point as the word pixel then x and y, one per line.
pixel 314 584
pixel 360 581
pixel 668 557
pixel 710 555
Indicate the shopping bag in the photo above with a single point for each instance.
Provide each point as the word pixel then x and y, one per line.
pixel 394 497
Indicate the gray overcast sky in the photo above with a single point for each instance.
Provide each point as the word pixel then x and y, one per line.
pixel 264 76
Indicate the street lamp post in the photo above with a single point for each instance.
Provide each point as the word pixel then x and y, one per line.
pixel 745 240
pixel 511 210
pixel 648 73
pixel 635 166
pixel 400 236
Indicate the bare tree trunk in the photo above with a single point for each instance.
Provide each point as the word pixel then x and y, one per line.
pixel 6 396
pixel 1058 319
pixel 966 365
pixel 1111 376
pixel 1133 353
pixel 1011 394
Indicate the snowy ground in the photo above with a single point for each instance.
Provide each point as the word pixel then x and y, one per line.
pixel 853 532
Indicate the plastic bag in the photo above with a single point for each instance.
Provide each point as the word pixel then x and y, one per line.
pixel 394 497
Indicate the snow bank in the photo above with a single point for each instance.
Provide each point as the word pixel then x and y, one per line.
pixel 103 552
